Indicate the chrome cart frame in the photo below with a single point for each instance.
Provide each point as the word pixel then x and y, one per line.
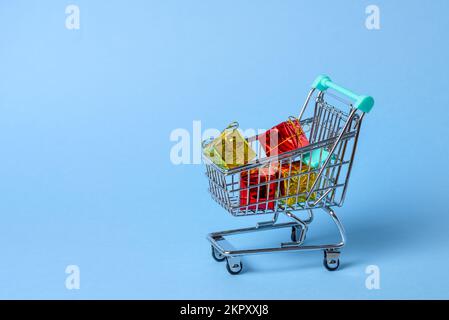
pixel 333 135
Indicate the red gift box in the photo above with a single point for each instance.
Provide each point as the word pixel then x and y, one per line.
pixel 267 191
pixel 284 137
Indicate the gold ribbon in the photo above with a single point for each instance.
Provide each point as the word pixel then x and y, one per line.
pixel 298 129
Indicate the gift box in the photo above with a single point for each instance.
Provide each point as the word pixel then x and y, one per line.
pixel 230 149
pixel 284 137
pixel 317 158
pixel 252 194
pixel 300 184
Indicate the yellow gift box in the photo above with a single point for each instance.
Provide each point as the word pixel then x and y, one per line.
pixel 230 149
pixel 299 184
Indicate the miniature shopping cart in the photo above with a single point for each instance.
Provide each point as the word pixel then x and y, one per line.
pixel 333 134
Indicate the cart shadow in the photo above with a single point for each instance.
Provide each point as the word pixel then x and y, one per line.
pixel 296 261
pixel 375 237
pixel 369 239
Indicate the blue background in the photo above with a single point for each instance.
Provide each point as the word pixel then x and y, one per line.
pixel 85 120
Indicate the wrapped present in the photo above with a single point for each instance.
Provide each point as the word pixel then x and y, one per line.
pixel 299 184
pixel 230 149
pixel 284 137
pixel 252 194
pixel 317 158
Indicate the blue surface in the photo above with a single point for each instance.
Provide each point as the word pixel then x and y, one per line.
pixel 85 119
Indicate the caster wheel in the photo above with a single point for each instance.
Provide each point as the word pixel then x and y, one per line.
pixel 217 255
pixel 331 260
pixel 235 268
pixel 294 235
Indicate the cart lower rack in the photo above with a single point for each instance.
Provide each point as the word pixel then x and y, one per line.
pixel 333 135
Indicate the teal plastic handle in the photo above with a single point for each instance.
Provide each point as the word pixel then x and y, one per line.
pixel 363 103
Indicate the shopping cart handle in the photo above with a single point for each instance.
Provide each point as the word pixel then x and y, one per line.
pixel 363 103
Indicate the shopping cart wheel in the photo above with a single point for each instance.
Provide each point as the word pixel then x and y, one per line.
pixel 295 234
pixel 331 260
pixel 234 268
pixel 217 255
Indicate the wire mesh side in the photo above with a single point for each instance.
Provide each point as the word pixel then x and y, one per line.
pixel 283 183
